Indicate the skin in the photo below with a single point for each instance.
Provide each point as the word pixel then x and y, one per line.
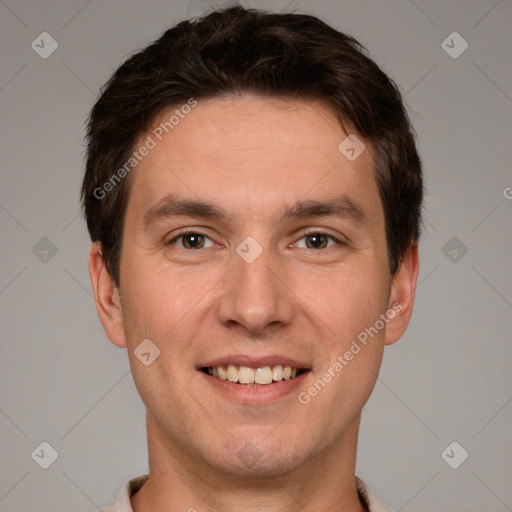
pixel 253 155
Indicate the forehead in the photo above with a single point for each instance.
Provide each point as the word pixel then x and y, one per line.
pixel 253 154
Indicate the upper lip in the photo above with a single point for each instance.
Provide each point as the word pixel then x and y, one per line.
pixel 253 362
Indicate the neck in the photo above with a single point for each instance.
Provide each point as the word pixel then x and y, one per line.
pixel 176 482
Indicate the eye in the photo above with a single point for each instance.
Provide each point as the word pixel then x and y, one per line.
pixel 192 240
pixel 317 241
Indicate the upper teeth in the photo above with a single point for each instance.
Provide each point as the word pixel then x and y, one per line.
pixel 246 375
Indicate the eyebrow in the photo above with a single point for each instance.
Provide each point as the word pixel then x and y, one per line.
pixel 173 206
pixel 342 207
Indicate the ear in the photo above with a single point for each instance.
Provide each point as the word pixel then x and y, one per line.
pixel 402 295
pixel 106 296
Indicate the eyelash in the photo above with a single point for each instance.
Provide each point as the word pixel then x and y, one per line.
pixel 304 235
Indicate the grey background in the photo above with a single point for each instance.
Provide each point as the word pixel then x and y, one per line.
pixel 448 379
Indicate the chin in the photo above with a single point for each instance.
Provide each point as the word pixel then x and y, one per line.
pixel 261 458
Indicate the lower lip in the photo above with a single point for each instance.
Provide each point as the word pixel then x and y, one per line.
pixel 258 394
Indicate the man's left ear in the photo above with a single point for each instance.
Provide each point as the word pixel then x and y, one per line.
pixel 403 292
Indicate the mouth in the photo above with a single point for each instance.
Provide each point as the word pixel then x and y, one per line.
pixel 254 376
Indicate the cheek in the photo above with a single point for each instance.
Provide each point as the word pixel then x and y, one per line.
pixel 154 302
pixel 173 310
pixel 346 301
pixel 348 306
pixel 162 310
pixel 350 352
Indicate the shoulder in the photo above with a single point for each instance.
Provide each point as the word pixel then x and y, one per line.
pixel 369 499
pixel 123 503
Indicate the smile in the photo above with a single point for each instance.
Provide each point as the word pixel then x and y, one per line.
pixel 245 375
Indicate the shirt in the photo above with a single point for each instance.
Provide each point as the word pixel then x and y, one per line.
pixel 132 486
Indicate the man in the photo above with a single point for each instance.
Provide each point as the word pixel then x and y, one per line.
pixel 253 194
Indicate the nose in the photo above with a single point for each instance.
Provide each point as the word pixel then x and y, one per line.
pixel 255 295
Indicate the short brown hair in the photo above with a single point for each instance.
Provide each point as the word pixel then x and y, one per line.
pixel 239 50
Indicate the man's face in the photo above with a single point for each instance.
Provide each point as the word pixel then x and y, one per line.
pixel 197 286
